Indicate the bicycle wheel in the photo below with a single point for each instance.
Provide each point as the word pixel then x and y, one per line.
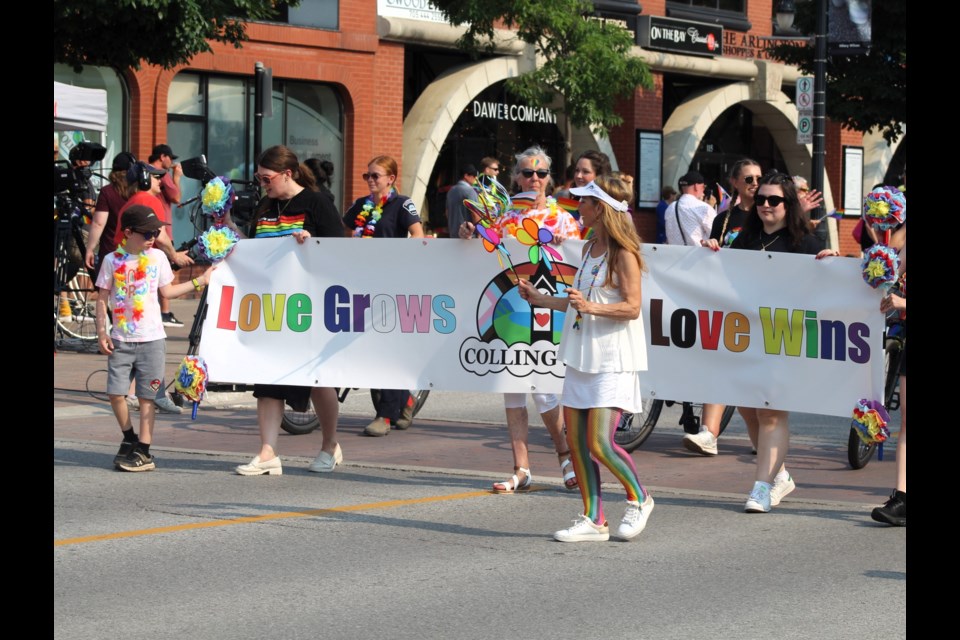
pixel 419 398
pixel 81 321
pixel 692 416
pixel 858 452
pixel 631 433
pixel 298 423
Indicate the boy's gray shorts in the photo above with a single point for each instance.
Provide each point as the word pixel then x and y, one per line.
pixel 143 361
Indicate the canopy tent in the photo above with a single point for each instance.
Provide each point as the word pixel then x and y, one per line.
pixel 77 108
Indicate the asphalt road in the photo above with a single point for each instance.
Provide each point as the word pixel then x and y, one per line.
pixel 405 540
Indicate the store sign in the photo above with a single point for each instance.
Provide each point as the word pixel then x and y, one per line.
pixel 681 36
pixel 512 112
pixel 411 10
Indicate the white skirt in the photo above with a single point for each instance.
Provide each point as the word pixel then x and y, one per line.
pixel 620 389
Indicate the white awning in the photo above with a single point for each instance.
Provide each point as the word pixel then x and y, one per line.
pixel 76 108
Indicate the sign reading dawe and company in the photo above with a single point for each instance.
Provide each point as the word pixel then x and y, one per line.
pixel 681 36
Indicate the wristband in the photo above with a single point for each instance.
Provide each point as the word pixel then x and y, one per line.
pixel 196 284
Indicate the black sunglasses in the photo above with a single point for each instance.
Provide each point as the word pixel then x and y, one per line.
pixel 148 235
pixel 750 179
pixel 528 173
pixel 774 201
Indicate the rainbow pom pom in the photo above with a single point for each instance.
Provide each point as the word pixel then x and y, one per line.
pixel 870 420
pixel 885 207
pixel 191 381
pixel 216 243
pixel 217 196
pixel 880 265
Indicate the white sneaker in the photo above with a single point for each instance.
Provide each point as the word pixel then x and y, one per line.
pixel 635 518
pixel 782 487
pixel 132 403
pixel 325 462
pixel 704 443
pixel 759 500
pixel 166 405
pixel 584 530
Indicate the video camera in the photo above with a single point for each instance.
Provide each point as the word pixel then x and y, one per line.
pixel 69 178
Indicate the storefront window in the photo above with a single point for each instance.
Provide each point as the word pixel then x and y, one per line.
pixel 496 124
pixel 114 138
pixel 214 116
pixel 322 14
pixel 732 14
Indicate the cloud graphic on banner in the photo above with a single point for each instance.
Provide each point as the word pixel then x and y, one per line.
pixel 519 359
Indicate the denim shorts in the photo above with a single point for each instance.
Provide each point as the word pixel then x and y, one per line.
pixel 140 361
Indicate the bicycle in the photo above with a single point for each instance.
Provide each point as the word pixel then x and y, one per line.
pixel 72 285
pixel 630 436
pixel 859 453
pixel 302 422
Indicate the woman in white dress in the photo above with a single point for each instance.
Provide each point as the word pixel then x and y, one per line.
pixel 603 347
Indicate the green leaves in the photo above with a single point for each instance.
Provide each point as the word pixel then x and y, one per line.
pixel 584 60
pixel 122 33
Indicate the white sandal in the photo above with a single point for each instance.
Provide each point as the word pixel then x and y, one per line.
pixel 568 475
pixel 513 484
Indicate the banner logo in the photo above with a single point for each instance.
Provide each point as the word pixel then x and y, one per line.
pixel 512 336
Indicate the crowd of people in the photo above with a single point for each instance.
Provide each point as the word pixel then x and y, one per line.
pixel 602 343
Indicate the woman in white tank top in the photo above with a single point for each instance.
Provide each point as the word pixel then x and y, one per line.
pixel 603 347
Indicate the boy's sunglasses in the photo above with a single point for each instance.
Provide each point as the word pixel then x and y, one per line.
pixel 528 173
pixel 148 235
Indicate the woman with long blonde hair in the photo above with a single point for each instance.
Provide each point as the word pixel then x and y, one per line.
pixel 604 347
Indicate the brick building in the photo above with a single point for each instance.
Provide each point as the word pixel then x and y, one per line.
pixel 356 79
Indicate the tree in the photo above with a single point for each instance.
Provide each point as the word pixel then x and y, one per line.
pixel 863 92
pixel 122 33
pixel 586 61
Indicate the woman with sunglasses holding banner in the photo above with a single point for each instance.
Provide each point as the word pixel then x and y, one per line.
pixel 531 182
pixel 292 206
pixel 776 222
pixel 385 214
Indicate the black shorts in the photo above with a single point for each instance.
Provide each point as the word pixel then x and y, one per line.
pixel 297 397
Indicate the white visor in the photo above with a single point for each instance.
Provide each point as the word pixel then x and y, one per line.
pixel 591 189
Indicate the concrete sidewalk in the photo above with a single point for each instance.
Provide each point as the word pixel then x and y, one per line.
pixel 451 446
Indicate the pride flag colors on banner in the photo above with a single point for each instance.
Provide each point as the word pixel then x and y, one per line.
pixel 738 327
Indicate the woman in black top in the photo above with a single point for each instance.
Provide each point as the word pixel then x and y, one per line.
pixel 292 206
pixel 385 214
pixel 777 222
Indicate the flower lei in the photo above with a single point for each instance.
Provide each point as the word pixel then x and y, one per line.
pixel 127 315
pixel 369 216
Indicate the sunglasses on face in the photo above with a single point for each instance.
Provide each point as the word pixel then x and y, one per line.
pixel 374 176
pixel 773 201
pixel 148 235
pixel 528 173
pixel 496 169
pixel 265 181
pixel 751 179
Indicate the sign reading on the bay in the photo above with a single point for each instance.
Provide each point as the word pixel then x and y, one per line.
pixel 683 36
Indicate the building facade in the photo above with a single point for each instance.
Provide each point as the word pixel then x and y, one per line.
pixel 353 80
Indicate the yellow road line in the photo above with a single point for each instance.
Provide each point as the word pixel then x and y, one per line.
pixel 273 516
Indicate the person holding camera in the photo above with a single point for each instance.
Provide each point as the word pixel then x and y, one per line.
pixel 162 158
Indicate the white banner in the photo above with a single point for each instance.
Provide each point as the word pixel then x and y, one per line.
pixel 739 327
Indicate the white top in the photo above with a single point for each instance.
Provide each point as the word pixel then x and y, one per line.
pixel 696 219
pixel 601 345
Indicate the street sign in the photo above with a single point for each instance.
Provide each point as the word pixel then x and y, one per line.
pixel 805 93
pixel 805 128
